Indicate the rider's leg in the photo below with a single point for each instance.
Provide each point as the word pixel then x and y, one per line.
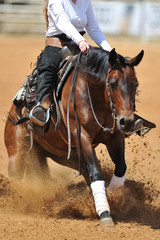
pixel 47 67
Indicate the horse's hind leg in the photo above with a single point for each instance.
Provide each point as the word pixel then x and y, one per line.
pixel 13 137
pixel 36 165
pixel 22 161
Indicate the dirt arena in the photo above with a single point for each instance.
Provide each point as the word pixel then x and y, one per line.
pixel 65 210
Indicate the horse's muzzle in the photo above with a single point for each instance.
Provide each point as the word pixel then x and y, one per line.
pixel 125 124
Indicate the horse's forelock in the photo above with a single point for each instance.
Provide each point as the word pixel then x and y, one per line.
pixel 124 61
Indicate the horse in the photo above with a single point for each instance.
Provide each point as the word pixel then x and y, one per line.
pixel 98 108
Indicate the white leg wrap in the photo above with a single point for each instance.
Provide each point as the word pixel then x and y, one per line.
pixel 100 199
pixel 116 182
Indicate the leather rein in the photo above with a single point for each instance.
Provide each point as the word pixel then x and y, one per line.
pixel 114 115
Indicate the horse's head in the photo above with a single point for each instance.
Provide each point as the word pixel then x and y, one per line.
pixel 122 87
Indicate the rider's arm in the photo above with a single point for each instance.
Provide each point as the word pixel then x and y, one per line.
pixel 94 30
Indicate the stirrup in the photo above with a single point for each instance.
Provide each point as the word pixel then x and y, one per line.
pixel 37 121
pixel 143 131
pixel 137 126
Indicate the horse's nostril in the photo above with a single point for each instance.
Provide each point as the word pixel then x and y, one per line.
pixel 122 122
pixel 126 124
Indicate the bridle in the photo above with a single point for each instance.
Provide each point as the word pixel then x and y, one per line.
pixel 114 114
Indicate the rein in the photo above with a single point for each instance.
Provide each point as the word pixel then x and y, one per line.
pixel 76 117
pixel 114 115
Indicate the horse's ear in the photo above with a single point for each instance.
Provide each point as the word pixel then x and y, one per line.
pixel 113 57
pixel 136 60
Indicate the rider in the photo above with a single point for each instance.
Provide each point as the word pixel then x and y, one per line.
pixel 67 21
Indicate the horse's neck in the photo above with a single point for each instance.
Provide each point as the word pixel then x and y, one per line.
pixel 97 91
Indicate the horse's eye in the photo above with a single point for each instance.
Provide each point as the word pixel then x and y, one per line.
pixel 114 85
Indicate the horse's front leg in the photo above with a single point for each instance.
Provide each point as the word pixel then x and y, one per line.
pixel 115 146
pixel 97 183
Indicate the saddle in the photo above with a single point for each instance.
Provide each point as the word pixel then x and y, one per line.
pixel 65 69
pixel 28 91
pixel 26 96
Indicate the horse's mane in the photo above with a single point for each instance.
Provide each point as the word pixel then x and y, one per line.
pixel 95 62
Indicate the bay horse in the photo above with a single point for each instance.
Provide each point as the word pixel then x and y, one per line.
pixel 104 97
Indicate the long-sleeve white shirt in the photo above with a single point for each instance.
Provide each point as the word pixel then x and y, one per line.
pixel 70 18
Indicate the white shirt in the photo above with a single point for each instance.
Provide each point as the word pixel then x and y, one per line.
pixel 70 18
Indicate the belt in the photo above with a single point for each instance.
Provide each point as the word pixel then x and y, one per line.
pixel 53 41
pixel 60 40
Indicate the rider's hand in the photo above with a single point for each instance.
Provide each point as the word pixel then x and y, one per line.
pixel 83 46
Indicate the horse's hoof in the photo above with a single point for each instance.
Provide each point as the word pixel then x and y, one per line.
pixel 106 219
pixel 108 222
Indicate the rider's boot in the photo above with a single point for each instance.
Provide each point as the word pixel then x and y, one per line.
pixel 137 125
pixel 39 116
pixel 142 126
